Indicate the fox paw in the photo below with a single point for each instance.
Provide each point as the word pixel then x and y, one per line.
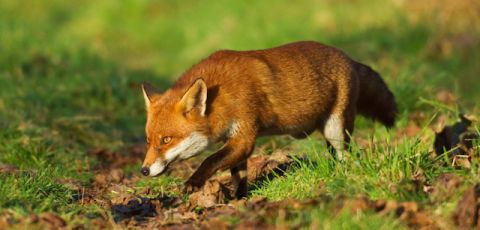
pixel 191 187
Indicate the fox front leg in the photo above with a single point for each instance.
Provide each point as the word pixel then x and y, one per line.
pixel 235 151
pixel 239 179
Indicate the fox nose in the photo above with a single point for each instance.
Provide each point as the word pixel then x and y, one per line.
pixel 145 171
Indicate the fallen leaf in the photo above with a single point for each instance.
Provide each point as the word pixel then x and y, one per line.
pixel 444 187
pixel 101 179
pixel 214 223
pixel 412 130
pixel 357 205
pixel 116 175
pixel 386 207
pixel 419 220
pixel 417 117
pixel 211 194
pixel 263 167
pixel 446 97
pixel 462 161
pixel 4 168
pixel 53 220
pixel 6 219
pixel 466 215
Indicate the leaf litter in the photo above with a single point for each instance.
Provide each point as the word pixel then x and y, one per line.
pixel 214 207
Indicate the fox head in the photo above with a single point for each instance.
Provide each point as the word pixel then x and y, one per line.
pixel 177 126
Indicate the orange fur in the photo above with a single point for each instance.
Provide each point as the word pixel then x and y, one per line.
pixel 293 89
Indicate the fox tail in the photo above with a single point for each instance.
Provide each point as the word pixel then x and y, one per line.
pixel 375 100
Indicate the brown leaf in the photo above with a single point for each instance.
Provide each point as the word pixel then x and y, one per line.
pixel 256 165
pixel 4 168
pixel 446 97
pixel 386 207
pixel 420 220
pixel 444 187
pixel 211 194
pixel 53 220
pixel 238 203
pixel 409 212
pixel 410 206
pixel 466 214
pixel 261 167
pixel 254 225
pixel 462 161
pixel 101 179
pixel 411 130
pixel 6 219
pixel 214 223
pixel 417 117
pixel 116 175
pixel 357 205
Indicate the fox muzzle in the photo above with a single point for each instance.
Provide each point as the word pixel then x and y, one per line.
pixel 145 171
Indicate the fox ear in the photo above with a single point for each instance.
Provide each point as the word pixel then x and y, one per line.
pixel 149 92
pixel 195 98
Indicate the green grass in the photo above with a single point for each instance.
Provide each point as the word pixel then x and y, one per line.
pixel 70 74
pixel 164 186
pixel 381 172
pixel 35 192
pixel 321 218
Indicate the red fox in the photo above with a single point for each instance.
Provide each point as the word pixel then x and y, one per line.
pixel 236 96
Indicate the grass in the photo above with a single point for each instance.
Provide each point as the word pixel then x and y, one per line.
pixel 34 192
pixel 320 218
pixel 69 77
pixel 381 172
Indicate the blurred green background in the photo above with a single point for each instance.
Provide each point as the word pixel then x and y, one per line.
pixel 64 61
pixel 70 70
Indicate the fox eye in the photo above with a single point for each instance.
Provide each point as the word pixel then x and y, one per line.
pixel 166 140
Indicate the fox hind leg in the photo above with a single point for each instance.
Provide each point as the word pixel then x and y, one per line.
pixel 336 130
pixel 334 134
